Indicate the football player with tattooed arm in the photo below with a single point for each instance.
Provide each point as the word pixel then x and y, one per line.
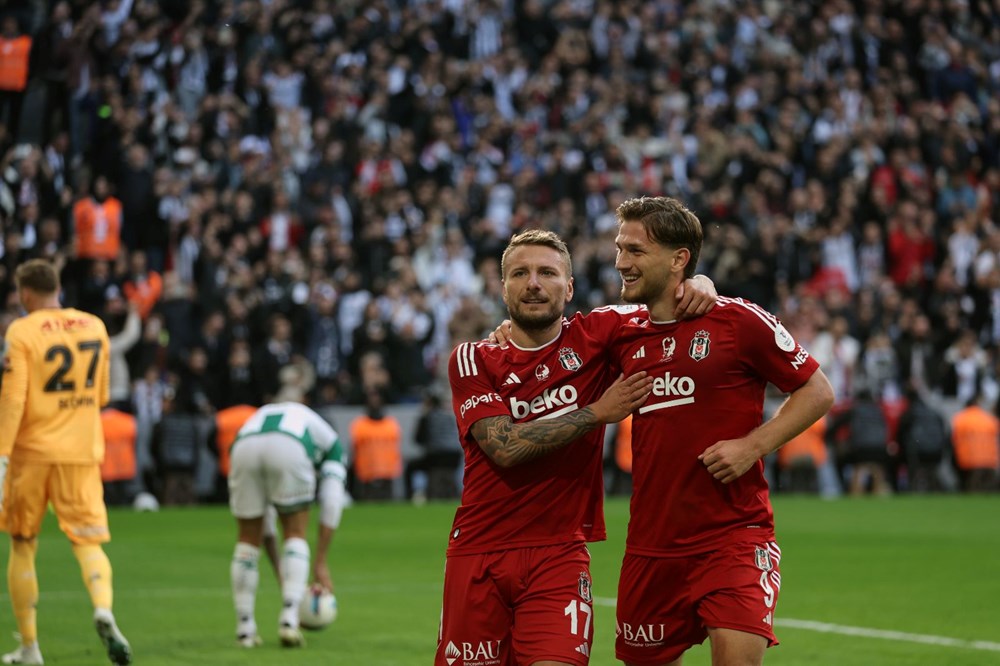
pixel 56 379
pixel 531 417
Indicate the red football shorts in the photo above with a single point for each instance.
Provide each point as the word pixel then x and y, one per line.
pixel 665 604
pixel 517 607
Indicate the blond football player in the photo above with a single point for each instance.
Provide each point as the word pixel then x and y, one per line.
pixel 51 445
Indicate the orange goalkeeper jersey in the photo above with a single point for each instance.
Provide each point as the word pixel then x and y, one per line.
pixel 53 388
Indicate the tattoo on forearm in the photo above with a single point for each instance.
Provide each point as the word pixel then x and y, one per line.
pixel 508 443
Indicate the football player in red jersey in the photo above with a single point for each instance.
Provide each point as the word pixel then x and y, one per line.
pixel 531 415
pixel 701 558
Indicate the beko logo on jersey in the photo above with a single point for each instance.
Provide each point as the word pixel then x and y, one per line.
pixel 680 389
pixel 551 403
pixel 479 653
pixel 477 400
pixel 668 385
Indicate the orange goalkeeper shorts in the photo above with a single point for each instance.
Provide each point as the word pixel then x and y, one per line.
pixel 76 494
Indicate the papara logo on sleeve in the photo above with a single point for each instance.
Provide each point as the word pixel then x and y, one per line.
pixel 477 400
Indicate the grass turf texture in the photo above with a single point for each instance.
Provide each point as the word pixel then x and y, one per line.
pixel 921 565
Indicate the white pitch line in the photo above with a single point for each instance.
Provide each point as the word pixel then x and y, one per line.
pixel 865 632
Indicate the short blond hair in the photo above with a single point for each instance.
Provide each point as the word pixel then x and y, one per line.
pixel 537 237
pixel 38 275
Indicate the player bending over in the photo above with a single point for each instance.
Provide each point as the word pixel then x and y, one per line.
pixel 276 458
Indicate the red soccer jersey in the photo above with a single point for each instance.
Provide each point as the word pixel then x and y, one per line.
pixel 560 496
pixel 709 379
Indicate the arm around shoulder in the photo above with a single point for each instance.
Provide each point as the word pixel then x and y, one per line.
pixel 508 444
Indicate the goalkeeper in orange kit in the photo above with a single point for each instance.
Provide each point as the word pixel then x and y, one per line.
pixel 51 446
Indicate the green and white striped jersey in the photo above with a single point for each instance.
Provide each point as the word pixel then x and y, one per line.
pixel 305 426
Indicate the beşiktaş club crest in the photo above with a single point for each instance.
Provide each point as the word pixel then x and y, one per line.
pixel 699 345
pixel 669 345
pixel 763 558
pixel 542 372
pixel 569 359
pixel 584 587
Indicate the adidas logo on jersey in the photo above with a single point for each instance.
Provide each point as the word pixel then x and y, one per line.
pixel 640 354
pixel 512 379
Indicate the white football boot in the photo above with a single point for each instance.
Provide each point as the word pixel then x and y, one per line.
pixel 119 651
pixel 24 654
pixel 290 636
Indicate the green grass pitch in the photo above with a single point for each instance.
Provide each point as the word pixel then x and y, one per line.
pixel 922 566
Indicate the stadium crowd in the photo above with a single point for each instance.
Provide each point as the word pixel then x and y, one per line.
pixel 313 195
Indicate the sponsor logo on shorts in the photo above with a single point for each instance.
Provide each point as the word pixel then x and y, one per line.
pixel 641 635
pixel 472 653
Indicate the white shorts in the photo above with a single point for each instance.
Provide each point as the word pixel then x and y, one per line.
pixel 269 468
pixel 332 507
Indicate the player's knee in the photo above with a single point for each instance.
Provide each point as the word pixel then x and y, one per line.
pixel 734 657
pixel 736 648
pixel 294 532
pixel 21 545
pixel 250 530
pixel 294 524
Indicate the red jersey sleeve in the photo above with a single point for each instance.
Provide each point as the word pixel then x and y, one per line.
pixel 605 323
pixel 473 395
pixel 767 347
